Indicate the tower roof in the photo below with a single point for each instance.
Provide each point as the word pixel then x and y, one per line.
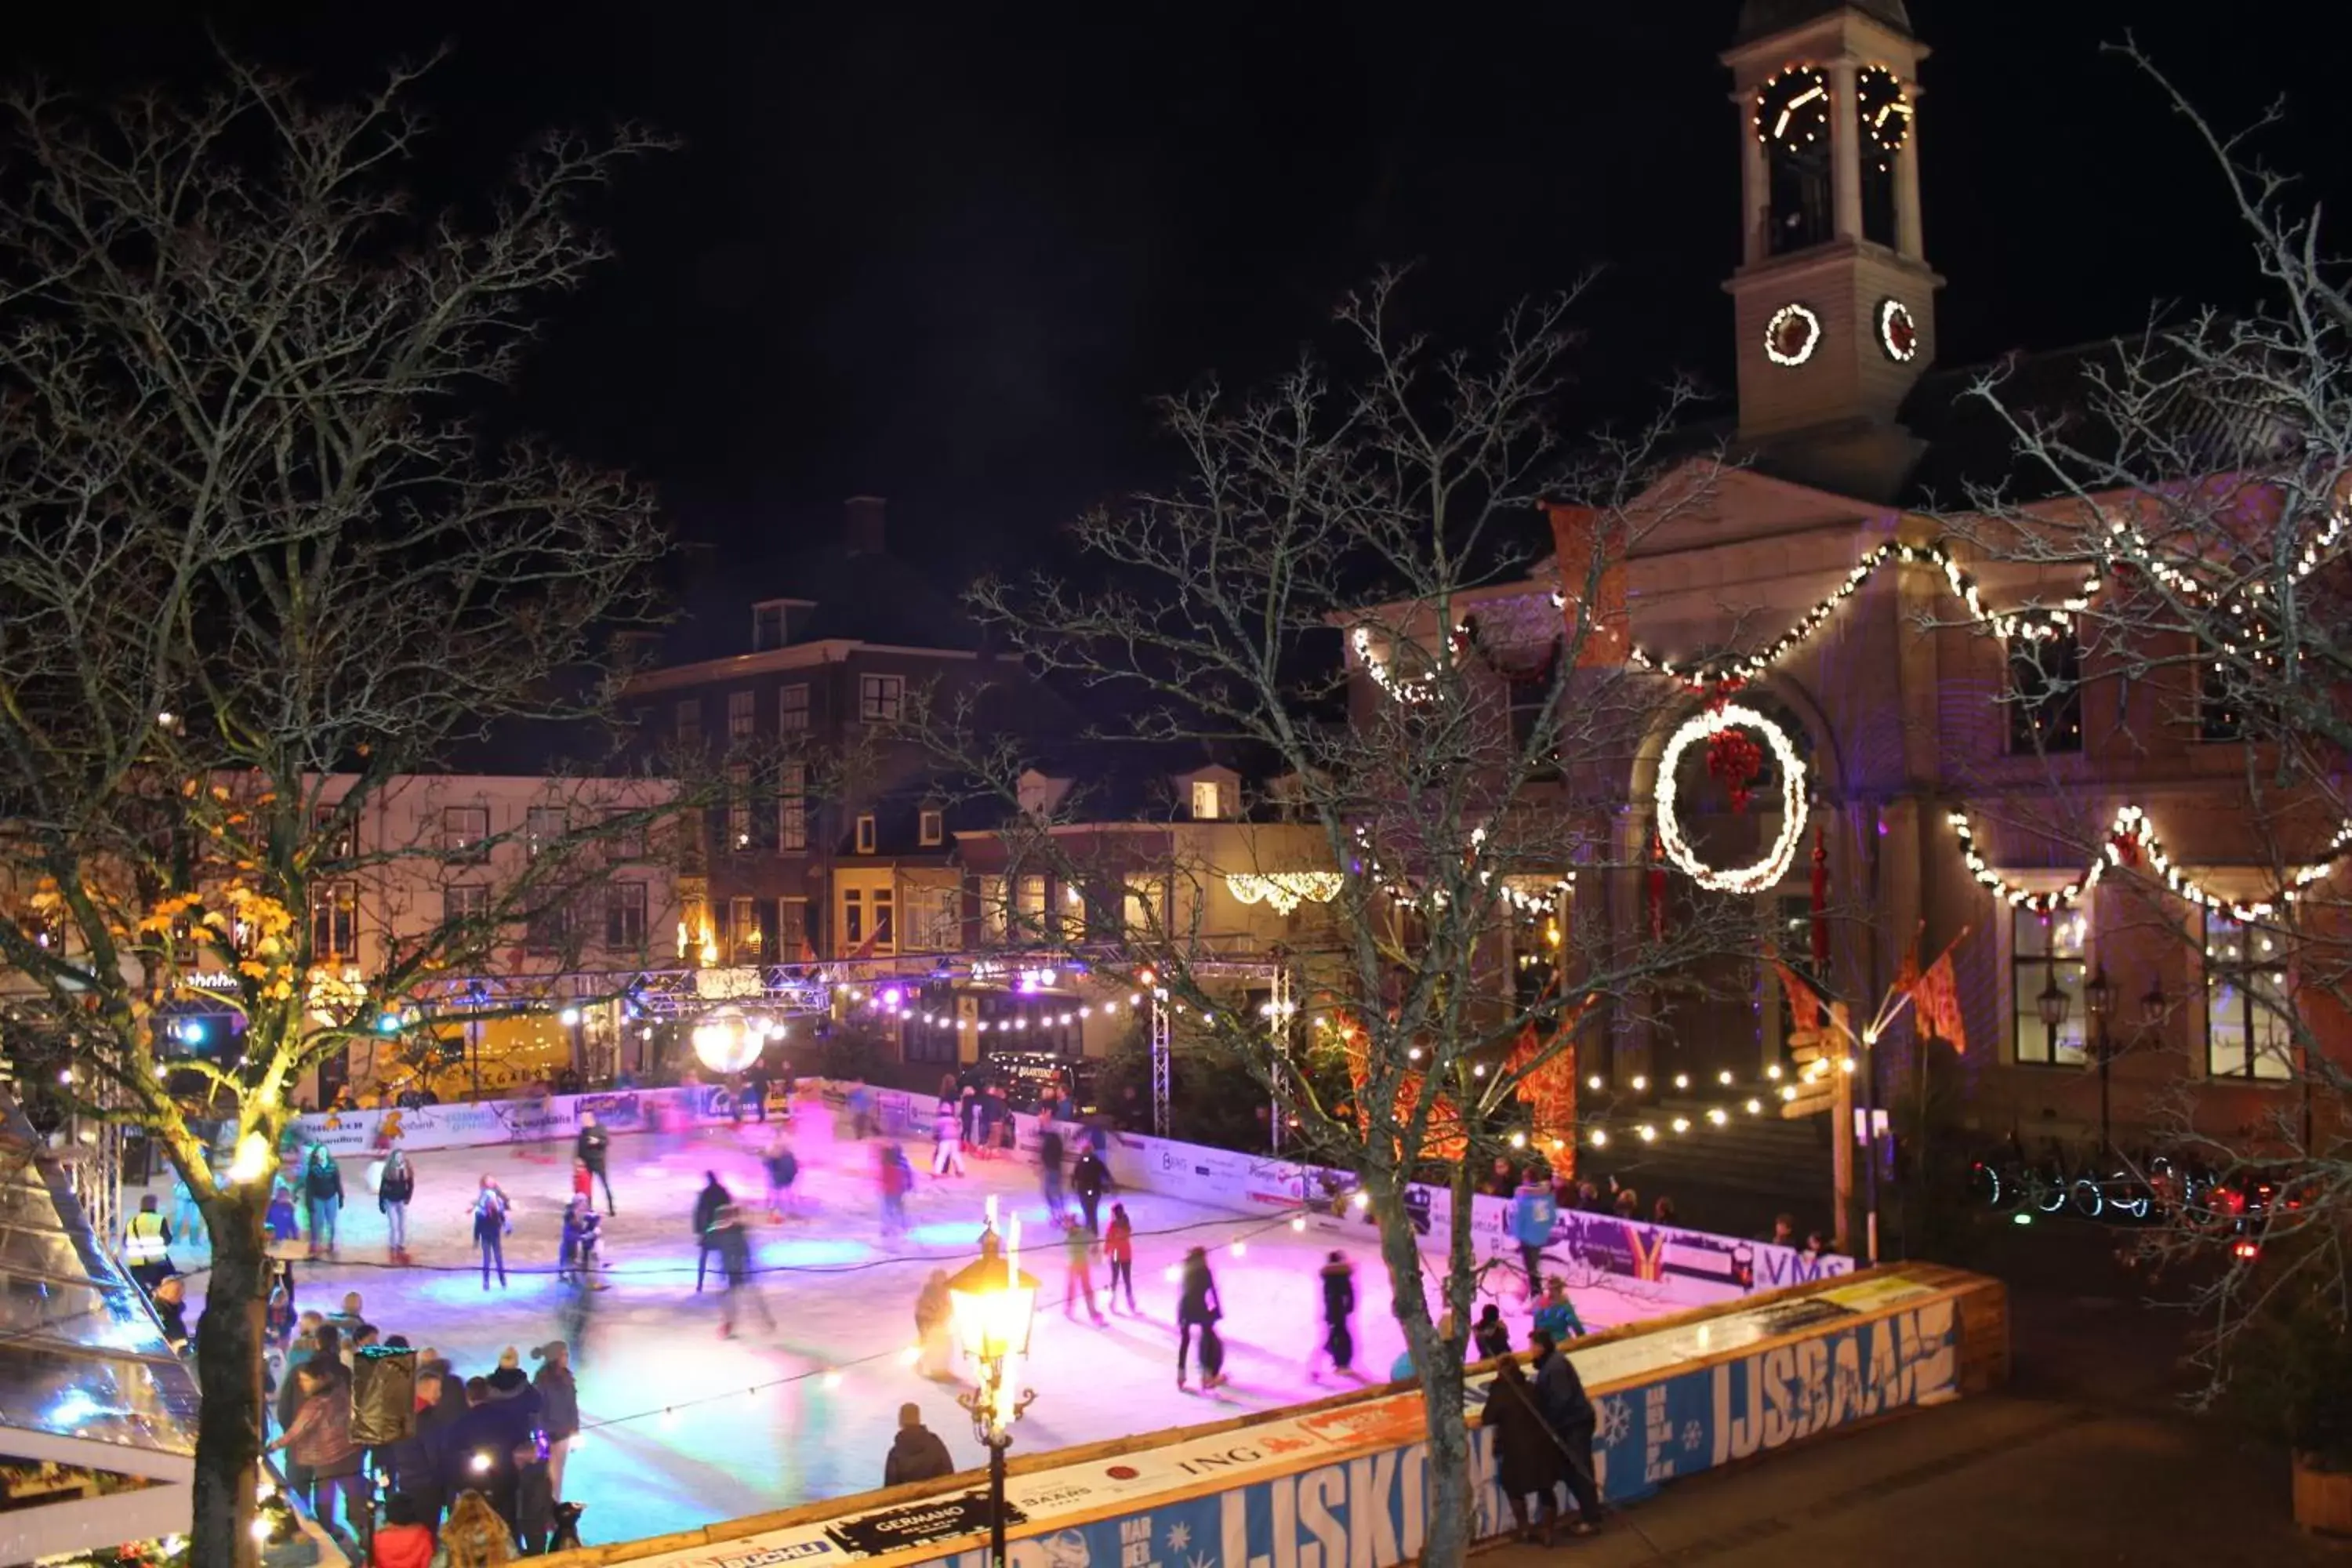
pixel 1762 18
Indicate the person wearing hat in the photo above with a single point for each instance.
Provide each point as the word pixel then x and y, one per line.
pixel 916 1454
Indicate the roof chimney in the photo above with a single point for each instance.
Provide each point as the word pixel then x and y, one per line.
pixel 863 534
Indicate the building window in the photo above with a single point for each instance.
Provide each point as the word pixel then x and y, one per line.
pixel 937 921
pixel 792 708
pixel 792 932
pixel 624 916
pixel 881 699
pixel 742 931
pixel 465 832
pixel 2249 1032
pixel 791 817
pixel 465 903
pixel 2045 693
pixel 853 920
pixel 543 828
pixel 1031 910
pixel 689 721
pixel 886 936
pixel 739 808
pixel 2046 952
pixel 335 838
pixel 1205 800
pixel 767 627
pixel 993 908
pixel 932 828
pixel 865 833
pixel 548 930
pixel 739 723
pixel 624 836
pixel 335 922
pixel 1145 910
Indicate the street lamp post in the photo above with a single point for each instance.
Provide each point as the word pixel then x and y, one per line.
pixel 2051 1003
pixel 993 1304
pixel 2099 996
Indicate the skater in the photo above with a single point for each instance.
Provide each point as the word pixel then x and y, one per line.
pixel 1338 1307
pixel 897 1177
pixel 1533 1212
pixel 147 1245
pixel 393 1190
pixel 755 1089
pixel 707 1205
pixel 590 1149
pixel 1490 1333
pixel 584 1184
pixel 1088 1178
pixel 1049 1168
pixel 277 1317
pixel 559 1405
pixel 1527 1462
pixel 187 1215
pixel 1557 1316
pixel 934 1314
pixel 284 1230
pixel 491 1223
pixel 1197 1307
pixel 1119 1247
pixel 1559 1395
pixel 1078 1251
pixel 567 1253
pixel 323 1195
pixel 916 1453
pixel 783 1168
pixel 974 1111
pixel 734 1250
pixel 946 1160
pixel 861 1109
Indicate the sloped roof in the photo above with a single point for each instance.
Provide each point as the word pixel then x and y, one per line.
pixel 1762 18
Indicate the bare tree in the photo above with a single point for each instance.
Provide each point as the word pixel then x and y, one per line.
pixel 1482 770
pixel 258 566
pixel 2191 553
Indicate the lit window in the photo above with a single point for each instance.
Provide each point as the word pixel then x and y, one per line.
pixel 543 828
pixel 2249 1030
pixel 1031 908
pixel 2047 952
pixel 739 808
pixel 743 929
pixel 465 832
pixel 335 922
pixel 792 708
pixel 885 938
pixel 881 699
pixel 1204 800
pixel 1145 913
pixel 992 909
pixel 932 827
pixel 853 920
pixel 866 834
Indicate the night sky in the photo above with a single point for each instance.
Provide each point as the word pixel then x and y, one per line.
pixel 948 254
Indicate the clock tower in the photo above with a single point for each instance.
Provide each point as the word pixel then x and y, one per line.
pixel 1833 300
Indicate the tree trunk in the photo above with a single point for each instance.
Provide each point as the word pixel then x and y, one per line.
pixel 1452 1521
pixel 229 1367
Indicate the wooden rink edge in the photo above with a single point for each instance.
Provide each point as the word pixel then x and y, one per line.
pixel 1981 1313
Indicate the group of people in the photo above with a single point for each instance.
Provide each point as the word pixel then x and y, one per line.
pixel 489 1449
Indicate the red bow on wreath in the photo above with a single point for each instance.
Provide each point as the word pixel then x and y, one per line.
pixel 2127 848
pixel 1733 757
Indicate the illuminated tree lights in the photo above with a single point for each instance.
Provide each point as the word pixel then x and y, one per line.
pixel 2129 840
pixel 1768 871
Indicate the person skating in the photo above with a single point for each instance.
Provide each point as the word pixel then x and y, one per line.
pixel 755 1089
pixel 1527 1462
pixel 147 1245
pixel 974 1111
pixel 1077 1252
pixel 1338 1282
pixel 567 1254
pixel 916 1453
pixel 491 1223
pixel 734 1250
pixel 1118 1248
pixel 1559 1395
pixel 934 1317
pixel 187 1215
pixel 1490 1333
pixel 1557 1316
pixel 1049 1168
pixel 1197 1308
pixel 591 1149
pixel 1533 1214
pixel 707 1205
pixel 783 1168
pixel 285 1229
pixel 394 1189
pixel 946 1159
pixel 322 1197
pixel 895 1176
pixel 1089 1178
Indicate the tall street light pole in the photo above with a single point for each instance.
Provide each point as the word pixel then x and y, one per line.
pixel 993 1305
pixel 2099 998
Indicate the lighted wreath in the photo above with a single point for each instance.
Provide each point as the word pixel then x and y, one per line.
pixel 1733 717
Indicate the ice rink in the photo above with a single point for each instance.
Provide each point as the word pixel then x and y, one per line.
pixel 680 1430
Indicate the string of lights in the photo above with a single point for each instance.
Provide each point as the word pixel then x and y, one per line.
pixel 2130 837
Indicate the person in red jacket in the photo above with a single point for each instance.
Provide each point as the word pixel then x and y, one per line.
pixel 403 1540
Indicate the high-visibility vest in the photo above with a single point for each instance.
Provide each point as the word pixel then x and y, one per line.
pixel 143 1242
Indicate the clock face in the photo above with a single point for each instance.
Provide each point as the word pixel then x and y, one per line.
pixel 1898 335
pixel 1794 108
pixel 1792 334
pixel 1885 112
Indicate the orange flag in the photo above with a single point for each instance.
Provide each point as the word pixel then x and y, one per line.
pixel 1804 1002
pixel 1937 997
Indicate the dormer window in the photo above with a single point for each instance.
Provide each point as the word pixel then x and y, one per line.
pixel 1207 800
pixel 932 828
pixel 865 833
pixel 766 626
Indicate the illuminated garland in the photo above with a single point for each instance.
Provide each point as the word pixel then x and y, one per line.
pixel 1768 871
pixel 1530 895
pixel 1286 891
pixel 2129 837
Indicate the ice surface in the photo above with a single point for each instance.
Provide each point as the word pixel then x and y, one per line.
pixel 844 1304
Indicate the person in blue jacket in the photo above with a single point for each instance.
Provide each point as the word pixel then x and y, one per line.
pixel 1533 1212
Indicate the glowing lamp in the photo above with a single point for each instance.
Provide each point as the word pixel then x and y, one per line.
pixel 992 1305
pixel 724 1044
pixel 569 1017
pixel 387 1024
pixel 252 1162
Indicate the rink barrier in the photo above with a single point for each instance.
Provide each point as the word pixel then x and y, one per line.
pixel 1664 1264
pixel 1673 1397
